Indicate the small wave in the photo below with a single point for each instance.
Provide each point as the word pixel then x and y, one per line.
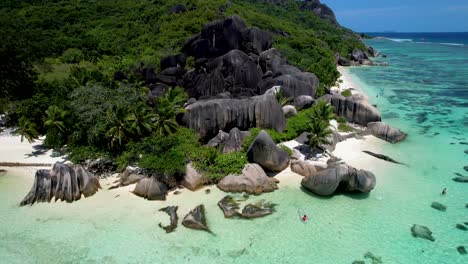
pixel 452 44
pixel 400 40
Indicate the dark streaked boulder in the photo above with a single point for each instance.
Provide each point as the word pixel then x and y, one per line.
pixel 235 140
pixel 303 102
pixel 354 109
pixel 229 206
pixel 358 55
pixel 64 182
pixel 386 132
pixel 210 116
pixel 264 152
pixel 255 40
pixel 219 139
pixel 172 212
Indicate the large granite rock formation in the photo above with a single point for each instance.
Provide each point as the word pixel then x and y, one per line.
pixel 339 177
pixel 253 180
pixel 303 167
pixel 354 108
pixel 208 117
pixel 64 182
pixel 264 152
pixel 151 189
pixel 193 179
pixel 386 132
pixel 319 9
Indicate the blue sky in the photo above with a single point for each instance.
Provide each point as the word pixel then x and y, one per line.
pixel 402 16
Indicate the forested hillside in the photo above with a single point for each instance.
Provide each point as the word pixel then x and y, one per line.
pixel 74 70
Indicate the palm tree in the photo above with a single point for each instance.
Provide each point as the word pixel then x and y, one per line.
pixel 168 107
pixel 118 131
pixel 139 120
pixel 323 111
pixel 282 100
pixel 27 129
pixel 319 133
pixel 55 118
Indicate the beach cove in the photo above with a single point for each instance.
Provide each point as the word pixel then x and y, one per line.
pixel 115 226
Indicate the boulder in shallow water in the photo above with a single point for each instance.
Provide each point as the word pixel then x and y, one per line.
pixel 461 227
pixel 386 132
pixel 422 232
pixel 253 180
pixel 465 168
pixel 463 179
pixel 257 210
pixel 461 250
pixel 196 219
pixel 264 152
pixel 172 212
pixel 64 182
pixel 151 189
pixel 339 177
pixel 229 206
pixel 439 206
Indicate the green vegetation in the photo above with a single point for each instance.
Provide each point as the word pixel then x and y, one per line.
pixel 346 93
pixel 58 59
pixel 282 100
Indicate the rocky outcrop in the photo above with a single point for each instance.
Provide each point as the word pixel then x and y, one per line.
pixel 208 117
pixel 193 179
pixel 221 36
pixel 422 232
pixel 292 84
pixel 264 152
pixel 340 61
pixel 386 132
pixel 319 9
pixel 151 189
pixel 289 111
pixel 235 140
pixel 339 177
pixel 358 55
pixel 196 219
pixel 172 212
pixel 303 167
pixel 218 140
pixel 354 108
pixel 64 182
pixel 253 180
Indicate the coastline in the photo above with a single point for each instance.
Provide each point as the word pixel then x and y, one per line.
pixel 22 157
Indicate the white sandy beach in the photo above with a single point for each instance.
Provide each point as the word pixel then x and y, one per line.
pixel 14 151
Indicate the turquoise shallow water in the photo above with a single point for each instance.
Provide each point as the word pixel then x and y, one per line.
pixel 424 92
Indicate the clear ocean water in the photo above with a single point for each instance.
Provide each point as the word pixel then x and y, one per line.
pixel 424 92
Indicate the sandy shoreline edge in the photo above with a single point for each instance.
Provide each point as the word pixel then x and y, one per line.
pixel 28 159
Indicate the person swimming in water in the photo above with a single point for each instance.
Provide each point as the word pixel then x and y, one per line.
pixel 444 191
pixel 304 218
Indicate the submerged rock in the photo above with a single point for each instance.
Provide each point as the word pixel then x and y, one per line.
pixel 465 168
pixel 151 189
pixel 253 180
pixel 196 219
pixel 382 157
pixel 386 132
pixel 439 206
pixel 229 206
pixel 257 210
pixel 264 152
pixel 461 227
pixel 328 181
pixel 374 258
pixel 64 182
pixel 422 232
pixel 461 179
pixel 461 250
pixel 172 212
